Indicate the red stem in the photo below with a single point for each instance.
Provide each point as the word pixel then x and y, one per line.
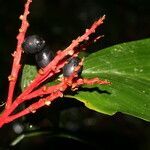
pixel 17 55
pixel 32 108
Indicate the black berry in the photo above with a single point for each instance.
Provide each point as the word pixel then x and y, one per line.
pixel 33 44
pixel 68 69
pixel 44 57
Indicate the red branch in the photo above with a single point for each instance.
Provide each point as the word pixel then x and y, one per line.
pixel 46 94
pixel 54 92
pixel 17 55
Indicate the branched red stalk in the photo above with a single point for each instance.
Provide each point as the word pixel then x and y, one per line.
pixel 54 92
pixel 53 66
pixel 48 94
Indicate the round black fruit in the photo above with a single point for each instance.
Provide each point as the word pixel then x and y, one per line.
pixel 68 69
pixel 44 57
pixel 33 44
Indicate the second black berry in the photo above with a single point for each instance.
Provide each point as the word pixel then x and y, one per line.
pixel 44 57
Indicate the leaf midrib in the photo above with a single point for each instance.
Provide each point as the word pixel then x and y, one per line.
pixel 121 74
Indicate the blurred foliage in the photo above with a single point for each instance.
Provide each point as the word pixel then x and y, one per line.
pixel 59 22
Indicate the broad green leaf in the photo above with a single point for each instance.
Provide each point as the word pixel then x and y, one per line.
pixel 127 66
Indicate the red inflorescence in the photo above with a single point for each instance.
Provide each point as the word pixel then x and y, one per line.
pixel 46 94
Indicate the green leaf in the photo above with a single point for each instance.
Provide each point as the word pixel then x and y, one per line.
pixel 28 74
pixel 127 66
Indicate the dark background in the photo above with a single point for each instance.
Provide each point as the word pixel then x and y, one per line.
pixel 59 22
